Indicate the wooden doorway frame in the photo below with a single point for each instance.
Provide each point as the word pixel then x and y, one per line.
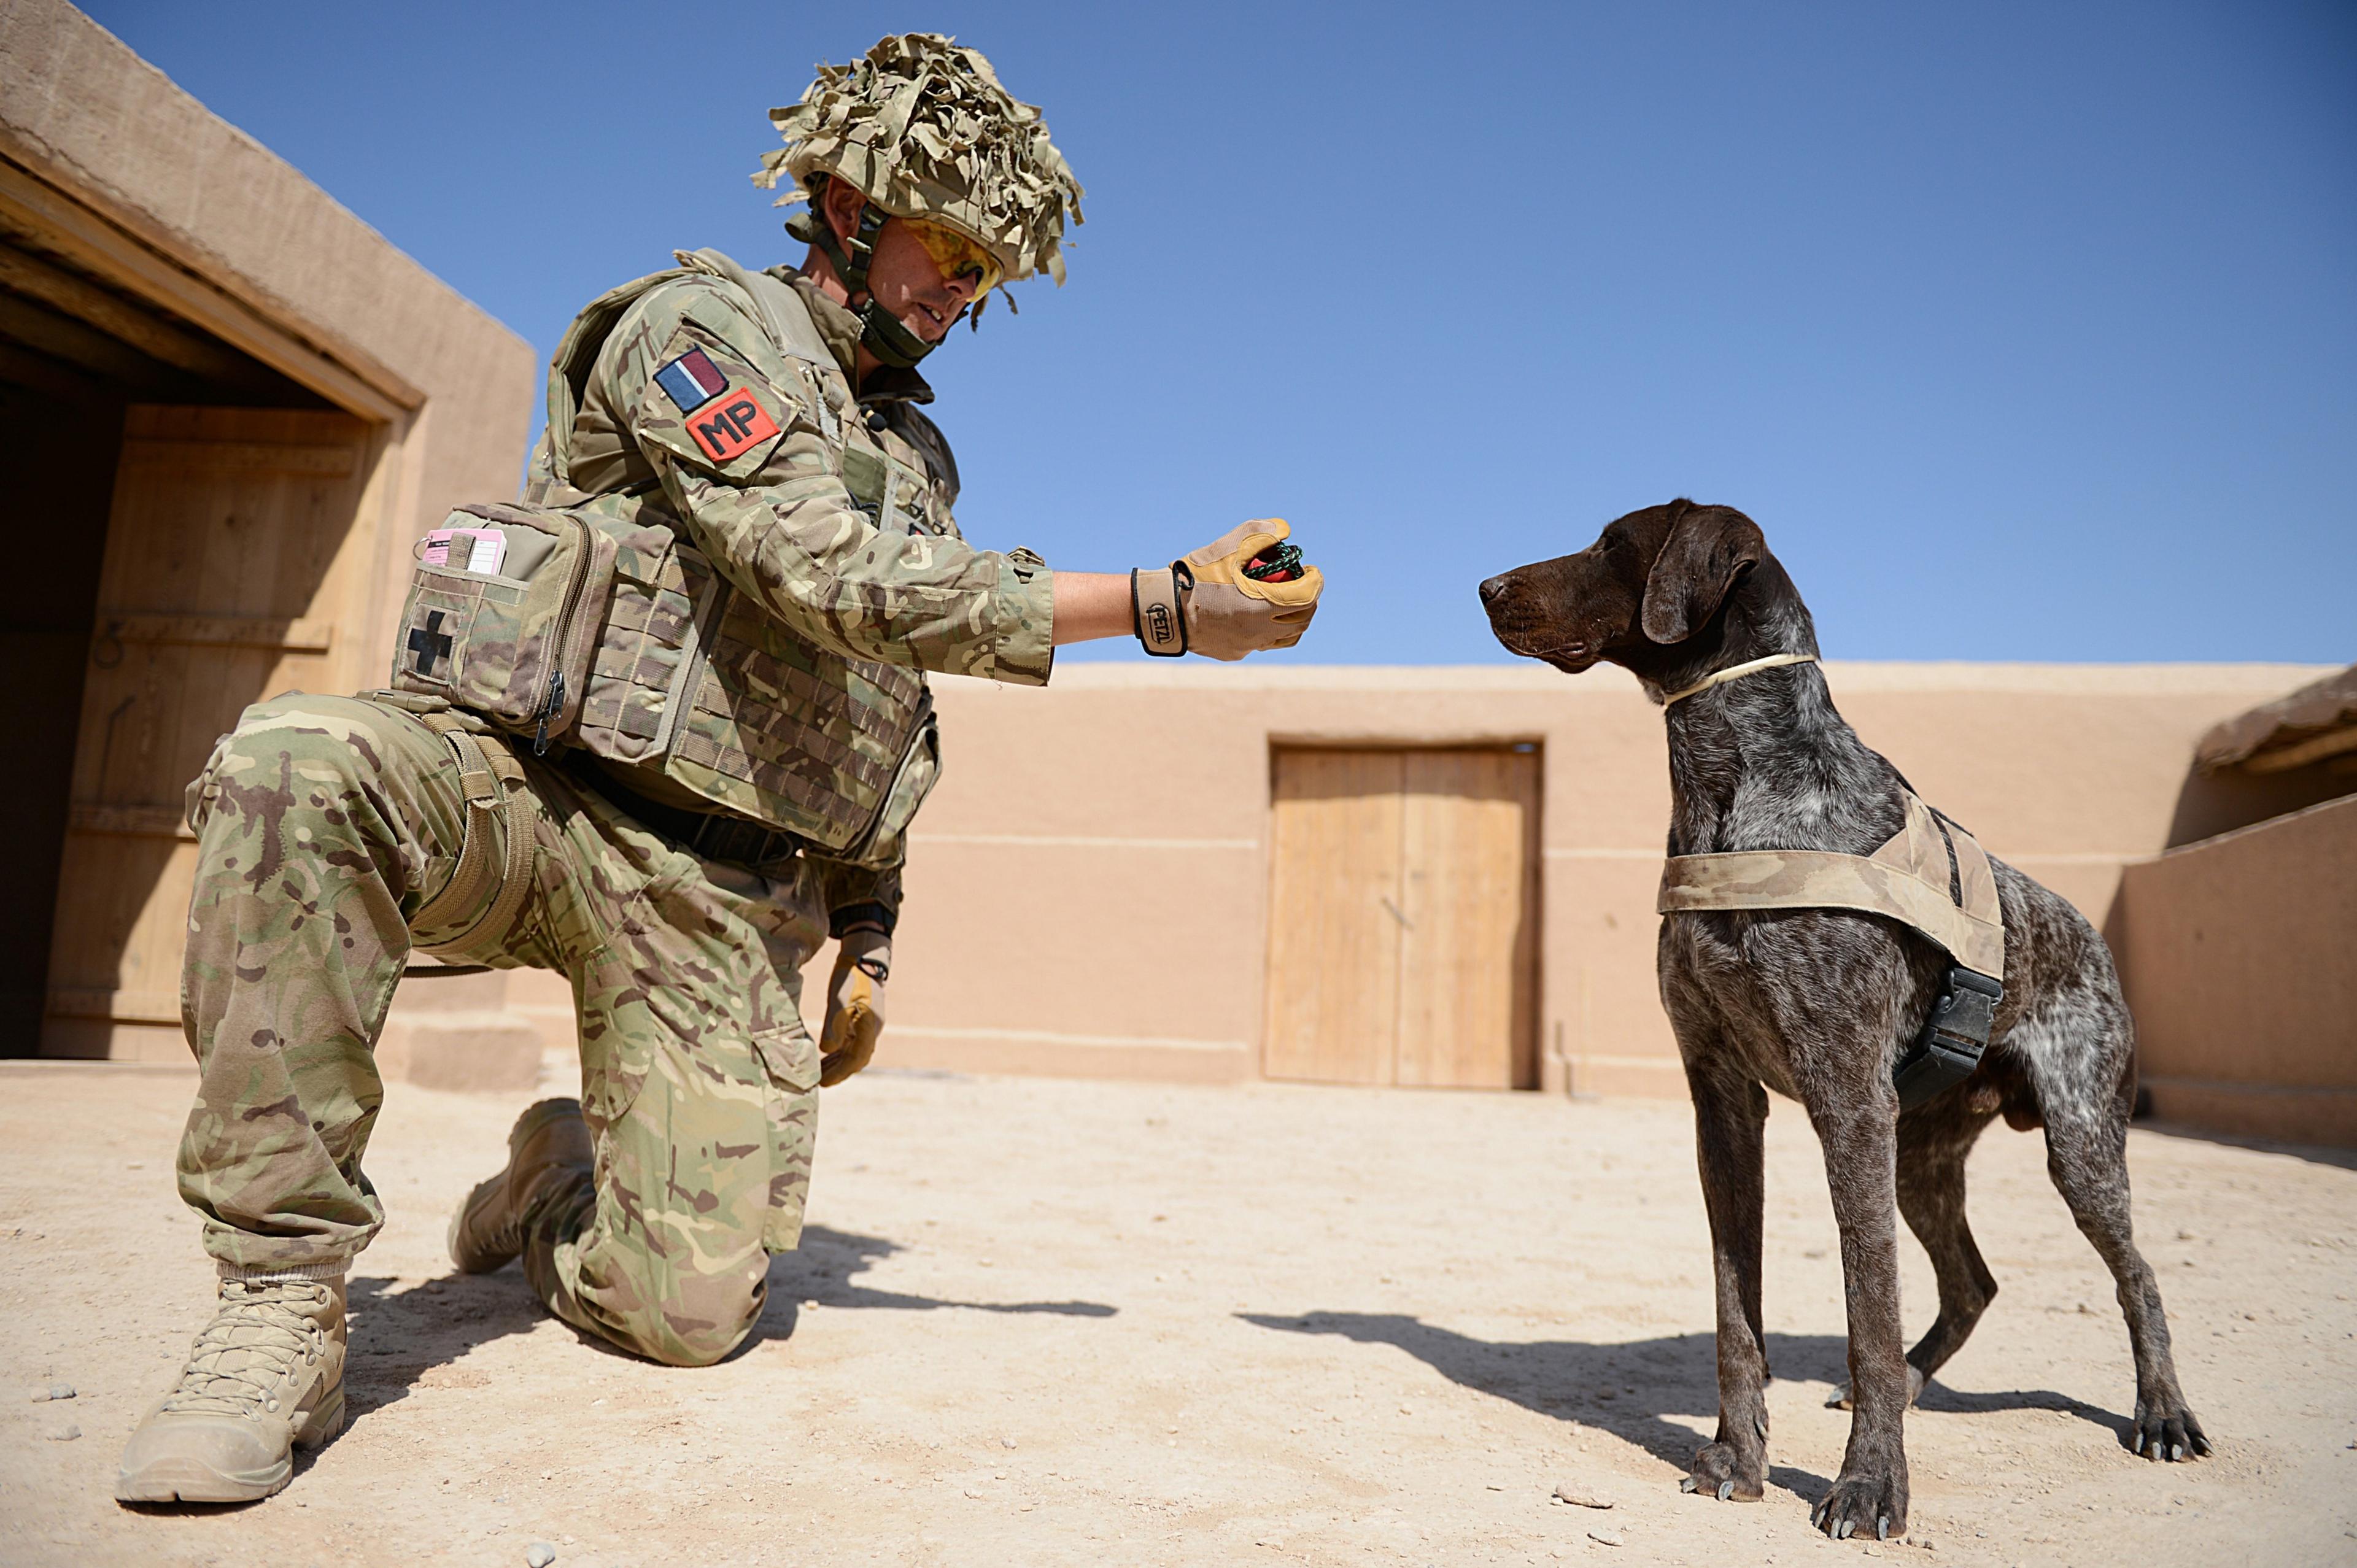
pixel 111 244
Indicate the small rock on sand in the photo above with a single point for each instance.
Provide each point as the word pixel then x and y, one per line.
pixel 65 1433
pixel 1605 1536
pixel 539 1554
pixel 53 1391
pixel 1573 1492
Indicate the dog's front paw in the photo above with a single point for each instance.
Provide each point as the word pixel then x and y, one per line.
pixel 1863 1503
pixel 2165 1429
pixel 1720 1472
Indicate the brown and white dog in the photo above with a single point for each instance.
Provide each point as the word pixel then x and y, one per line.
pixel 1817 1004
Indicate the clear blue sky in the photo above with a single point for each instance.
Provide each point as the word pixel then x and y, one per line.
pixel 2026 330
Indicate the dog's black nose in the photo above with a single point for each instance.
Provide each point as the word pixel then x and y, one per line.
pixel 1492 589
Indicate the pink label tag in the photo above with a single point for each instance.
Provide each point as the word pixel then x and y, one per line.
pixel 480 550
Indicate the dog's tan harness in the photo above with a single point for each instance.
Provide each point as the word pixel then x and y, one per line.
pixel 1908 879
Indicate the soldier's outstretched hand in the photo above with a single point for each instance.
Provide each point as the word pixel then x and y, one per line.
pixel 1244 592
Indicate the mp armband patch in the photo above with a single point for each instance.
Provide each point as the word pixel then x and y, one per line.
pixel 731 425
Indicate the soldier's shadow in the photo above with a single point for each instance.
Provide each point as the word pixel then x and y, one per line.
pixel 1631 1389
pixel 418 1338
pixel 822 1272
pixel 405 1339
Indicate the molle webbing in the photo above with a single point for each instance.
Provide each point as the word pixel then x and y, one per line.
pixel 1907 879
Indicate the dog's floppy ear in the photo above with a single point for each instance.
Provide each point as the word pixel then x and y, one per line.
pixel 1707 548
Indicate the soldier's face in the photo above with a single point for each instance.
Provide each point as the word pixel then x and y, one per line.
pixel 908 282
pixel 903 274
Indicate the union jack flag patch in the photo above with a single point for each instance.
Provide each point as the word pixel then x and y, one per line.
pixel 691 380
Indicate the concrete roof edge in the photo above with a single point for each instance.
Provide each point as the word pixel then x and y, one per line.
pixel 2249 830
pixel 1845 676
pixel 40 38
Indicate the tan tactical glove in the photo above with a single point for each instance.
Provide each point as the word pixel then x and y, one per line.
pixel 854 1004
pixel 1246 592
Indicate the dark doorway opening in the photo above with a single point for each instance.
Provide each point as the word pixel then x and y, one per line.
pixel 75 353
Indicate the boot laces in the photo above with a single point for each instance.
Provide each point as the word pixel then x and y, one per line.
pixel 246 1353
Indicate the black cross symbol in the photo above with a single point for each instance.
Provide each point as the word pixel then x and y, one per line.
pixel 429 642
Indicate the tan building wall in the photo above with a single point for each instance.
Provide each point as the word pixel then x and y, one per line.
pixel 261 404
pixel 2241 952
pixel 1087 890
pixel 1090 891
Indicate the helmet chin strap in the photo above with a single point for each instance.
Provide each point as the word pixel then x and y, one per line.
pixel 888 337
pixel 881 333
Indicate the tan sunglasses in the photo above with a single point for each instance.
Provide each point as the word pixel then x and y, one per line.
pixel 956 255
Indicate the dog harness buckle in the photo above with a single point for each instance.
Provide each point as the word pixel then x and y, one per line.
pixel 1954 1036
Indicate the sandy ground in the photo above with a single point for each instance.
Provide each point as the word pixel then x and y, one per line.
pixel 1041 1322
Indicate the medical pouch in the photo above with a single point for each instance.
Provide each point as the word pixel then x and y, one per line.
pixel 504 613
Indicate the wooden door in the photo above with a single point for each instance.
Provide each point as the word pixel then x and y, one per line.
pixel 1404 917
pixel 1334 947
pixel 235 559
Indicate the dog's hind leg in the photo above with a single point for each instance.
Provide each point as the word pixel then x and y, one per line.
pixel 1931 1199
pixel 2087 1156
pixel 2078 1047
pixel 1730 1115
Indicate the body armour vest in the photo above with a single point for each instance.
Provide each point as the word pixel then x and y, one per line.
pixel 588 617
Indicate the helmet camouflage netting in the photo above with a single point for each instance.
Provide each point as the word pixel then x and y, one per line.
pixel 922 126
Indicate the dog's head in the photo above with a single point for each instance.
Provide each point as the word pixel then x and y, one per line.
pixel 1651 593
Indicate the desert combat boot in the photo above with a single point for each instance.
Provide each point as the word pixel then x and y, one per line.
pixel 549 1157
pixel 267 1375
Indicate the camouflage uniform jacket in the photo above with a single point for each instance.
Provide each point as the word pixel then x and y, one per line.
pixel 826 510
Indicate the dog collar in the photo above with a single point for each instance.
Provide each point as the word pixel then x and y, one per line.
pixel 1737 671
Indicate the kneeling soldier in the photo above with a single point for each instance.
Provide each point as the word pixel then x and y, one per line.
pixel 662 727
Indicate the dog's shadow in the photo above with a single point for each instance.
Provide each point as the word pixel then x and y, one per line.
pixel 1632 1388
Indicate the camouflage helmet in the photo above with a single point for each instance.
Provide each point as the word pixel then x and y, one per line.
pixel 922 128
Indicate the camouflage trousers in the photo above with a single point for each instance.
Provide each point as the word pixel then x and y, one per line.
pixel 325 823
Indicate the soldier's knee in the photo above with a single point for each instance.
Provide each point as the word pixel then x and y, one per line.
pixel 640 1300
pixel 697 1351
pixel 705 1316
pixel 694 1330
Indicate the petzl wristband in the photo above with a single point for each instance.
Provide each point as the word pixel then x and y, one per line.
pixel 1155 612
